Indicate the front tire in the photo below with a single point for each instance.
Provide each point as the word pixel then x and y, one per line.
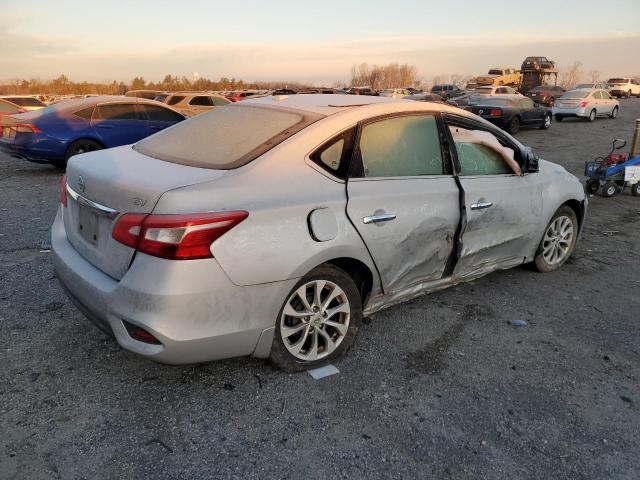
pixel 610 189
pixel 514 125
pixel 614 112
pixel 558 242
pixel 318 321
pixel 635 189
pixel 628 95
pixel 546 123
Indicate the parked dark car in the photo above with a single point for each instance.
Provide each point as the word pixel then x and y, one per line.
pixel 283 91
pixel 362 91
pixel 430 97
pixel 56 133
pixel 446 91
pixel 538 63
pixel 148 94
pixel 512 113
pixel 545 94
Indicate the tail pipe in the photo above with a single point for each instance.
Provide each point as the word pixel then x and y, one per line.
pixel 635 143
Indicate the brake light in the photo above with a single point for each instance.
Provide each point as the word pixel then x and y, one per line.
pixel 175 237
pixel 26 128
pixel 583 104
pixel 63 190
pixel 495 112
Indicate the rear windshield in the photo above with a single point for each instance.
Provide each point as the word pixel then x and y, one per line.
pixel 575 94
pixel 26 101
pixel 618 80
pixel 175 99
pixel 495 72
pixel 225 138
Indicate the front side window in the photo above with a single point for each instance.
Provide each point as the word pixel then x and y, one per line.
pixel 481 153
pixel 85 113
pixel 219 101
pixel 401 147
pixel 118 111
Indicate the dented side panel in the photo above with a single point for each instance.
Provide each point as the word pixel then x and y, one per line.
pixel 504 215
pixel 416 244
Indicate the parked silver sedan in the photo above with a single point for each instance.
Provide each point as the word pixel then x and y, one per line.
pixel 586 103
pixel 272 226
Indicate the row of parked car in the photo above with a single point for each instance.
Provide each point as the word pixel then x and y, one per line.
pixel 52 135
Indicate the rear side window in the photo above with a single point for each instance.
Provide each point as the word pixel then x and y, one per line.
pixel 85 113
pixel 175 99
pixel 226 138
pixel 334 155
pixel 159 114
pixel 118 111
pixel 201 101
pixel 401 147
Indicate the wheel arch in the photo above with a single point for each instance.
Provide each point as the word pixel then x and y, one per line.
pixel 578 208
pixel 360 273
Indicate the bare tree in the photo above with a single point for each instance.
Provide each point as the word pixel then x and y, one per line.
pixel 568 78
pixel 594 75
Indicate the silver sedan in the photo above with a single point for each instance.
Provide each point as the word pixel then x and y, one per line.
pixel 587 103
pixel 272 226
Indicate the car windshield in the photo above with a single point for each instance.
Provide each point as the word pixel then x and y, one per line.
pixel 585 85
pixel 225 138
pixel 618 80
pixel 26 101
pixel 575 94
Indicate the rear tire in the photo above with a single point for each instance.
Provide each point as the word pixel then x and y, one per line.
pixel 78 147
pixel 614 112
pixel 635 189
pixel 308 335
pixel 592 115
pixel 559 240
pixel 514 125
pixel 609 189
pixel 628 95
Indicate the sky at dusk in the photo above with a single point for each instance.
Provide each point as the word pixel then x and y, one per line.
pixel 315 42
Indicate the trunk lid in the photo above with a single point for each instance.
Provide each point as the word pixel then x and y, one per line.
pixel 107 183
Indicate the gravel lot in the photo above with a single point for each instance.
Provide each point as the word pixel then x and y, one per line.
pixel 439 387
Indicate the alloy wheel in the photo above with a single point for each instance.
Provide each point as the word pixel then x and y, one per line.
pixel 315 320
pixel 558 238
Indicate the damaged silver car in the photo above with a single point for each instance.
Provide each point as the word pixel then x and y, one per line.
pixel 270 227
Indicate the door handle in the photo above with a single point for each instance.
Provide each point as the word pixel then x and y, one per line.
pixel 481 205
pixel 385 217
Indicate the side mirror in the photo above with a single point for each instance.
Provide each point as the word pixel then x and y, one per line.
pixel 531 161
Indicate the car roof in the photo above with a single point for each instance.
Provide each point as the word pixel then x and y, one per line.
pixel 362 106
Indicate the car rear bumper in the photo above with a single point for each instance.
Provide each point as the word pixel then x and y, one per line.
pixel 571 112
pixel 26 152
pixel 190 306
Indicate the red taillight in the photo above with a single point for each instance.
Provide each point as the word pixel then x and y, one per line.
pixel 176 237
pixel 495 112
pixel 26 128
pixel 63 190
pixel 583 104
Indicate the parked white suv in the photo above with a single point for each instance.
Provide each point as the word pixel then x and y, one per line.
pixel 623 87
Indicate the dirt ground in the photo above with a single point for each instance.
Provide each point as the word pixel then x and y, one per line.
pixel 440 387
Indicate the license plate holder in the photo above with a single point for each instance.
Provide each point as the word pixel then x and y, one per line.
pixel 88 225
